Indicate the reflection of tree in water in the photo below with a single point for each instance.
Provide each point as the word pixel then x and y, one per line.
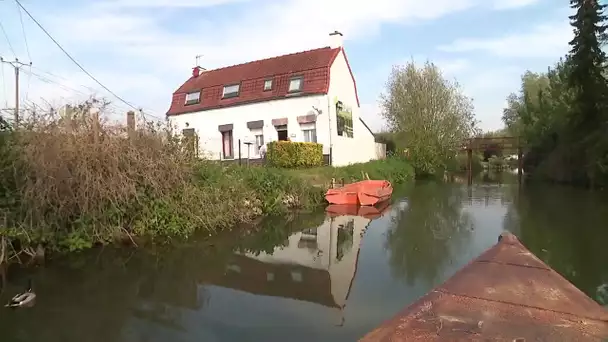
pixel 566 228
pixel 99 294
pixel 345 238
pixel 426 234
pixel 275 232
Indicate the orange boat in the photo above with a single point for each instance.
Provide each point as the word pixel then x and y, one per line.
pixel 365 193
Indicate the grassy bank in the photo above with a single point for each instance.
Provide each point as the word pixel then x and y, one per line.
pixel 67 185
pixel 395 170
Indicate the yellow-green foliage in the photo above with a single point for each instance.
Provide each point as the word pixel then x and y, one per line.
pixel 287 154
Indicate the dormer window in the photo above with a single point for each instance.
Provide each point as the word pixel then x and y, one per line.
pixel 231 91
pixel 267 85
pixel 193 98
pixel 295 84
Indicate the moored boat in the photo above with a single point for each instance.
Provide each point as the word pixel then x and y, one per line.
pixel 365 193
pixel 506 294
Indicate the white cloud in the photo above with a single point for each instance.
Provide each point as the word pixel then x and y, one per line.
pixel 165 3
pixel 491 81
pixel 272 28
pixel 122 43
pixel 141 50
pixel 513 4
pixel 547 40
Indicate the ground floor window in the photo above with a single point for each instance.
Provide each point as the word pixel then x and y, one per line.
pixel 309 132
pixel 259 142
pixel 282 133
pixel 227 148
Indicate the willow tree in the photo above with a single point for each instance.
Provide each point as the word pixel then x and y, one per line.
pixel 429 115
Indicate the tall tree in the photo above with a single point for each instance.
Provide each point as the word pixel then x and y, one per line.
pixel 429 115
pixel 588 62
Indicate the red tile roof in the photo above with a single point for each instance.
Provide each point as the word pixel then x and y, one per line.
pixel 314 65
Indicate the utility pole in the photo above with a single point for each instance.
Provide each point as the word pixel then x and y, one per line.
pixel 16 65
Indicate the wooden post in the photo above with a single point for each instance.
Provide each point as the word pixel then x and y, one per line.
pixel 248 145
pixel 95 118
pixel 470 165
pixel 520 163
pixel 239 152
pixel 130 123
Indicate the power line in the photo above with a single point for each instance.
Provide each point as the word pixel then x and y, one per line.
pixel 27 47
pixel 10 46
pixel 4 85
pixel 63 78
pixel 72 58
pixel 49 81
pixel 68 88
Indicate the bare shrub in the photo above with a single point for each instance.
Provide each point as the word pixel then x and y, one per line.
pixel 88 180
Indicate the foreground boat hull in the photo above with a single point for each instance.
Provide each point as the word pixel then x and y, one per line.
pixel 506 294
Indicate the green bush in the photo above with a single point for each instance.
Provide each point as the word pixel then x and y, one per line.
pixel 287 154
pixel 396 170
pixel 497 162
pixel 460 163
pixel 66 190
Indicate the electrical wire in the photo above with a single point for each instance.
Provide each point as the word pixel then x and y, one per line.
pixel 50 81
pixel 72 58
pixel 4 85
pixel 65 79
pixel 68 88
pixel 10 46
pixel 27 48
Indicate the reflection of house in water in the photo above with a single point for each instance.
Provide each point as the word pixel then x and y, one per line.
pixel 316 265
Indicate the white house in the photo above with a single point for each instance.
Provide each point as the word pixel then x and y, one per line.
pixel 295 97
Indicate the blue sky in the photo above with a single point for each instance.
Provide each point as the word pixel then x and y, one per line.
pixel 144 49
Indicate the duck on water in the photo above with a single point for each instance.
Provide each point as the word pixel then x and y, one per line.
pixel 23 300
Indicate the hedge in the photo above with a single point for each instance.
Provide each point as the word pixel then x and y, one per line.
pixel 288 154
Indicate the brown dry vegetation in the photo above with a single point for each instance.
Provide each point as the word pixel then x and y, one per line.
pixel 71 182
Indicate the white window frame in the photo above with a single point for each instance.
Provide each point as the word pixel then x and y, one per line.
pixel 258 135
pixel 268 85
pixel 300 80
pixel 193 98
pixel 309 128
pixel 231 90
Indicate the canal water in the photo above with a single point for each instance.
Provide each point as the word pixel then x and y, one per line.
pixel 314 278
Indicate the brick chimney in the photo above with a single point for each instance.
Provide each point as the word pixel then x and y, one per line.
pixel 197 70
pixel 335 40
